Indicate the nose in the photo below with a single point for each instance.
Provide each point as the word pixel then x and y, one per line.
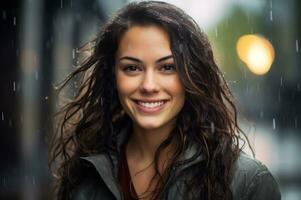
pixel 149 83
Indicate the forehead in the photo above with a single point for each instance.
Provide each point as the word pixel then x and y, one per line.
pixel 141 41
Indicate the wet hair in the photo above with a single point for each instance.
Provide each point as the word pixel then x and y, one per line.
pixel 207 120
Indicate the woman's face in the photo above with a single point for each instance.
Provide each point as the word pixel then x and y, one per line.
pixel 148 84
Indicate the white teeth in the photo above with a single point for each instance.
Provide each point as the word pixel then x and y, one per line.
pixel 150 104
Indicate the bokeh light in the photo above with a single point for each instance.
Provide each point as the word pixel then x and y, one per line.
pixel 257 52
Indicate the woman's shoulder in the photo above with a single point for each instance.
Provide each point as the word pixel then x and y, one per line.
pixel 253 180
pixel 247 164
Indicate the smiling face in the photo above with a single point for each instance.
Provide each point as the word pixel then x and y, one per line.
pixel 148 84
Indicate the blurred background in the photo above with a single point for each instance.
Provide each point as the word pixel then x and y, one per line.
pixel 256 43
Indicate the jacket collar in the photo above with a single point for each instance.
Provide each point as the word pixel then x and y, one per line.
pixel 103 162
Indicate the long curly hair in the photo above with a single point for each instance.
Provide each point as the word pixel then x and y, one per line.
pixel 88 123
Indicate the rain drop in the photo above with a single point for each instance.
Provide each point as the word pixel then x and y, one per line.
pixel 271 4
pixel 4 182
pixel 261 114
pixel 274 124
pixel 216 32
pixel 212 127
pixel 61 3
pixel 248 17
pixel 2 116
pixel 271 15
pixel 15 21
pixel 101 101
pixel 36 75
pixel 46 98
pixel 281 82
pixel 73 53
pixel 71 3
pixel 297 46
pixel 4 15
pixel 181 48
pixel 14 86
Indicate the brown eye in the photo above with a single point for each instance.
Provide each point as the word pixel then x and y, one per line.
pixel 168 68
pixel 131 68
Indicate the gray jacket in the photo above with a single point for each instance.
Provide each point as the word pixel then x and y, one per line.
pixel 251 180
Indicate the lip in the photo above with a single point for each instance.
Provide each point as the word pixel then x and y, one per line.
pixel 149 110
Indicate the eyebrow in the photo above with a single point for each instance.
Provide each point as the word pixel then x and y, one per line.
pixel 140 61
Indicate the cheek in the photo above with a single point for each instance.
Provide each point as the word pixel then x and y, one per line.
pixel 125 85
pixel 174 86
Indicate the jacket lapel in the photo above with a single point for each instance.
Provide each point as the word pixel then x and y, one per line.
pixel 103 166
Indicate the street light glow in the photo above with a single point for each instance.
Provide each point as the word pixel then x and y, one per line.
pixel 257 52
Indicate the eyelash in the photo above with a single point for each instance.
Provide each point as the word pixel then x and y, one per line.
pixel 129 68
pixel 169 65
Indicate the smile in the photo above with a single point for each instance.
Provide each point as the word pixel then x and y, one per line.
pixel 151 104
pixel 150 107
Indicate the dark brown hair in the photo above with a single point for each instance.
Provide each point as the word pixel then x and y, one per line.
pixel 207 120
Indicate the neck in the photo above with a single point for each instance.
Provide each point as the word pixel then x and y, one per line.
pixel 143 143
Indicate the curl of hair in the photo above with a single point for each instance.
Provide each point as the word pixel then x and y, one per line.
pixel 208 118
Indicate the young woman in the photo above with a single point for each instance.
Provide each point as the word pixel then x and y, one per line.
pixel 154 118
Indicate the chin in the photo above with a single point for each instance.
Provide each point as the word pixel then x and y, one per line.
pixel 149 125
